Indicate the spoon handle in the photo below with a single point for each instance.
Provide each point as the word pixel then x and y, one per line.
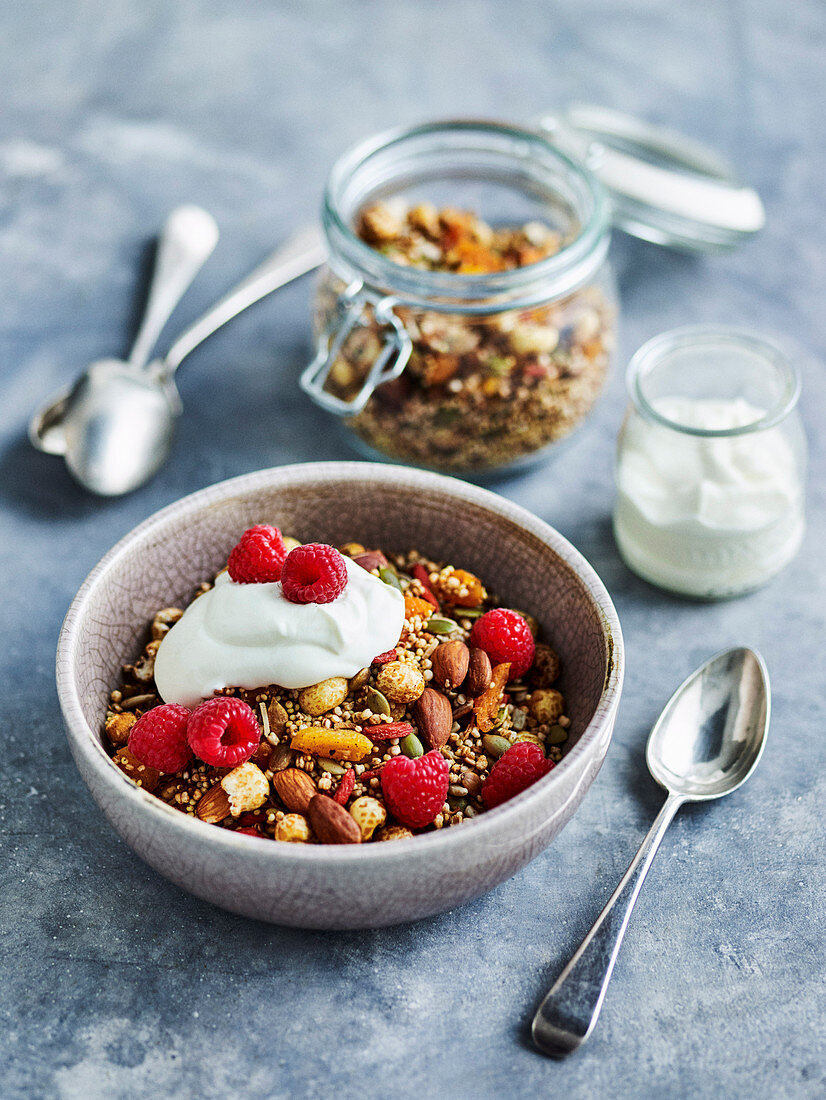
pixel 300 254
pixel 569 1013
pixel 188 237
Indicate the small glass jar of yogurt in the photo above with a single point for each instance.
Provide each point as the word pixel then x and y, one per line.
pixel 710 462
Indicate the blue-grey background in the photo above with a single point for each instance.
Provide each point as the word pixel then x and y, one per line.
pixel 117 984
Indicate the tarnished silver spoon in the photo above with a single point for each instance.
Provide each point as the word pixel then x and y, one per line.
pixel 705 744
pixel 115 426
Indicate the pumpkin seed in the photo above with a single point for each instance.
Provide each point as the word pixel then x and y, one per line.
pixel 471 612
pixel 494 745
pixel 437 625
pixel 377 702
pixel 138 702
pixel 388 575
pixel 280 758
pixel 556 735
pixel 331 766
pixel 411 746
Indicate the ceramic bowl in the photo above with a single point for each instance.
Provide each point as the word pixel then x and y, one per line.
pixel 313 886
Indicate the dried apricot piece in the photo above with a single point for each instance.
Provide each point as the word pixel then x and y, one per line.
pixel 460 588
pixel 417 608
pixel 334 744
pixel 476 259
pixel 486 707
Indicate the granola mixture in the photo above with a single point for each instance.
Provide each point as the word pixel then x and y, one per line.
pixel 311 740
pixel 481 391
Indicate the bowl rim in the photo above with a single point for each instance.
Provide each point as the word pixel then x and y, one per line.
pixel 84 739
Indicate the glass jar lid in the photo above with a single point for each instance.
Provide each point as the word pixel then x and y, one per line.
pixel 664 187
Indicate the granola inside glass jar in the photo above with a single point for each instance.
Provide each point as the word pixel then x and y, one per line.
pixel 466 318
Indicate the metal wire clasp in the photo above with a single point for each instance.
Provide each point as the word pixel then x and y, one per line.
pixel 389 364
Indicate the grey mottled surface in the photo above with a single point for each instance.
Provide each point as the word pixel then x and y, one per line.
pixel 116 984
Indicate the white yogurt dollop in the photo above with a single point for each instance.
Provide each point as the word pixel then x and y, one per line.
pixel 250 635
pixel 707 516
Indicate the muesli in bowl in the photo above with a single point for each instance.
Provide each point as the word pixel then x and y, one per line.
pixel 161 563
pixel 319 695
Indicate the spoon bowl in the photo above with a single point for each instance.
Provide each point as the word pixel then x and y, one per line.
pixel 115 426
pixel 710 736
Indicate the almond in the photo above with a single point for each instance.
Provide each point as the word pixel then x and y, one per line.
pixel 479 673
pixel 214 805
pixel 450 664
pixel 295 789
pixel 434 717
pixel 331 823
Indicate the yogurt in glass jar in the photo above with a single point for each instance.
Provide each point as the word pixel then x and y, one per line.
pixel 710 463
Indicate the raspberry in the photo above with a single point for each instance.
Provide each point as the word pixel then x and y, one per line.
pixel 258 557
pixel 314 573
pixel 223 732
pixel 158 739
pixel 505 636
pixel 514 772
pixel 415 790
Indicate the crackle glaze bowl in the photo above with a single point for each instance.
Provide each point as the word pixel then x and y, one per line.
pixel 522 559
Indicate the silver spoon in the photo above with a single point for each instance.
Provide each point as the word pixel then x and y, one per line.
pixel 705 744
pixel 115 425
pixel 78 422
